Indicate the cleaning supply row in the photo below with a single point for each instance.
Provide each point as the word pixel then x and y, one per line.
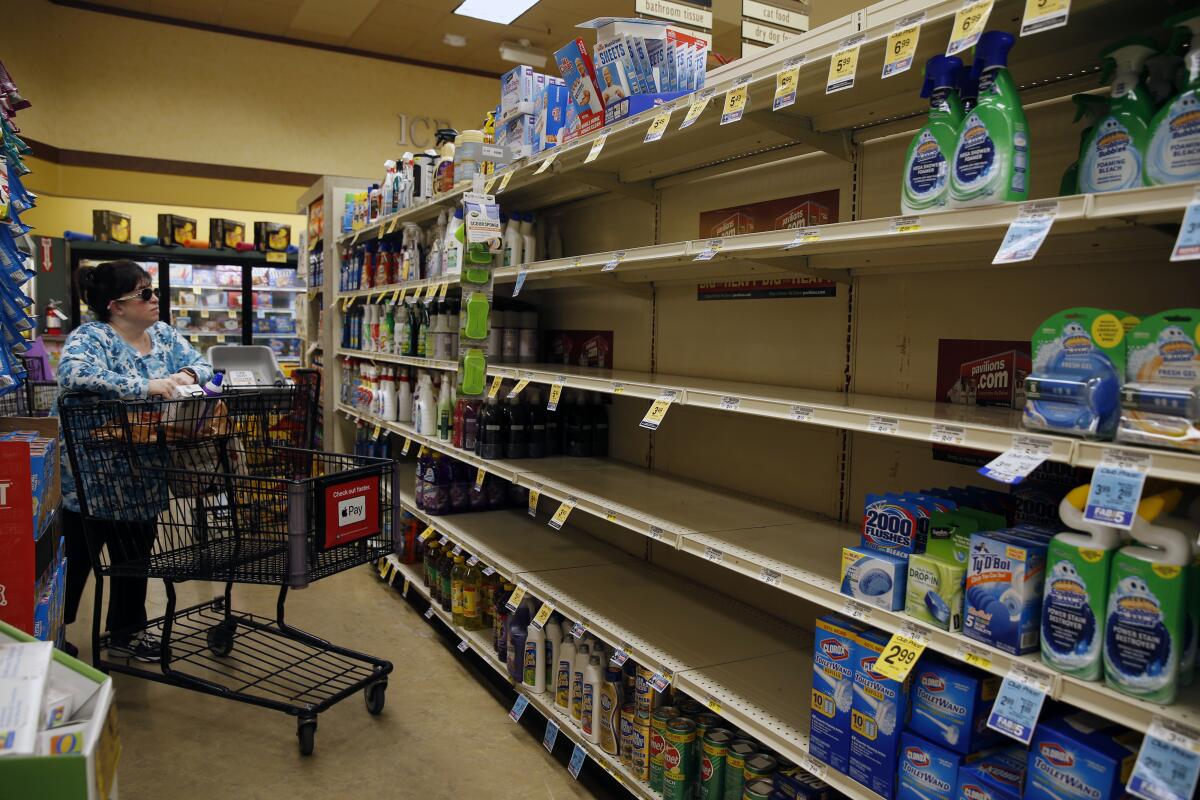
pixel 430 329
pixel 16 247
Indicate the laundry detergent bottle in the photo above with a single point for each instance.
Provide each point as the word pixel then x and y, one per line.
pixel 991 156
pixel 1173 151
pixel 1093 109
pixel 1078 568
pixel 1145 624
pixel 1112 158
pixel 926 166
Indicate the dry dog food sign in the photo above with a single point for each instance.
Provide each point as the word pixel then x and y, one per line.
pixel 351 511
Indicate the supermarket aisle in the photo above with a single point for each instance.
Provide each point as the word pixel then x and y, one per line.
pixel 442 734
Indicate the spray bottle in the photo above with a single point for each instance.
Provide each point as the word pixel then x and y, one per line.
pixel 1112 158
pixel 926 179
pixel 1092 108
pixel 1166 75
pixel 1173 146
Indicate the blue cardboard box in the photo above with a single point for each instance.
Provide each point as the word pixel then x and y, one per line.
pixel 873 577
pixel 636 104
pixel 833 690
pixel 927 771
pixel 1003 599
pixel 1080 755
pixel 877 718
pixel 950 705
pixel 893 525
pixel 999 776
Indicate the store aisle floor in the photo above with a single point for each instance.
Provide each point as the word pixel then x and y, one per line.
pixel 443 732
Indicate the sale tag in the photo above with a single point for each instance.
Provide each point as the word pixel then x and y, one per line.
pixel 856 610
pixel 801 413
pixel 843 64
pixel 543 615
pixel 534 495
pixel 1044 15
pixel 906 225
pixel 658 410
pixel 515 598
pixel 518 708
pixel 618 388
pixel 404 588
pixel 899 656
pixel 730 403
pixel 1168 763
pixel 578 757
pixel 786 81
pixel 494 389
pixel 521 275
pixel 1117 488
pixel 428 613
pixel 1026 232
pixel 714 705
pixel 612 263
pixel 969 23
pixel 442 289
pixel 597 146
pixel 619 657
pixel 886 425
pixel 661 681
pixel 1187 245
pixel 713 554
pixel 736 98
pixel 276 258
pixel 479 476
pixel 516 390
pixel 710 250
pixel 814 767
pixel 770 577
pixel 902 45
pixel 1019 703
pixel 560 516
pixel 578 628
pixel 504 180
pixel 489 571
pixel 804 236
pixel 462 646
pixel 404 448
pixel 425 534
pixel 973 656
pixel 658 126
pixel 696 108
pixel 550 736
pixel 546 162
pixel 1014 464
pixel 555 393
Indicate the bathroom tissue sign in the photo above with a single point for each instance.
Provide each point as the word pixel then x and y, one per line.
pixel 351 511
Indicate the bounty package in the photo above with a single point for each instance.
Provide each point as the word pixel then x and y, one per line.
pixel 1160 403
pixel 951 703
pixel 584 99
pixel 877 718
pixel 833 690
pixel 1078 366
pixel 1080 757
pixel 1004 590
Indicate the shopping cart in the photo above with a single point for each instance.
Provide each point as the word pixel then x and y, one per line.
pixel 225 489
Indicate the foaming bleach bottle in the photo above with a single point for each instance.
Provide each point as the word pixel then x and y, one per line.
pixel 1173 151
pixel 1078 568
pixel 1112 159
pixel 926 166
pixel 1145 624
pixel 991 156
pixel 1093 109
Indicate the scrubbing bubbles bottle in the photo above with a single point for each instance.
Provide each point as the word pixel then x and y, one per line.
pixel 1173 152
pixel 991 156
pixel 1112 159
pixel 926 166
pixel 1093 109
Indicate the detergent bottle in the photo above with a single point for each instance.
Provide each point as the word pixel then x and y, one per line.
pixel 1112 158
pixel 1092 108
pixel 926 179
pixel 1173 148
pixel 1145 621
pixel 991 156
pixel 1078 567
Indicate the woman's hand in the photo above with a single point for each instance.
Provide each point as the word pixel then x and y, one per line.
pixel 184 378
pixel 163 387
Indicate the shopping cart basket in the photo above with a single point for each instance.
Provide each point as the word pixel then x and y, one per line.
pixel 217 489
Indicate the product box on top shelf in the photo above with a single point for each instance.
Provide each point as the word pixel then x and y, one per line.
pixel 519 88
pixel 518 135
pixel 111 226
pixel 550 114
pixel 226 233
pixel 585 104
pixel 176 230
pixel 272 237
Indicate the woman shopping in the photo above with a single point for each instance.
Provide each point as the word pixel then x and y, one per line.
pixel 127 354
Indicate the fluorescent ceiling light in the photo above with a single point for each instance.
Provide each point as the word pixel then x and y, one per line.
pixel 501 11
pixel 522 53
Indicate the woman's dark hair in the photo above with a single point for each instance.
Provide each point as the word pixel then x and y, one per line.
pixel 103 283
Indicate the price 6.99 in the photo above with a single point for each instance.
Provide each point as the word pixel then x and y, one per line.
pixel 900 656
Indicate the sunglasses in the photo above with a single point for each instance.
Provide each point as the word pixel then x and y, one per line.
pixel 142 294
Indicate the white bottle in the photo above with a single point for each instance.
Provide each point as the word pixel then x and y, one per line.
pixel 388 390
pixel 453 250
pixel 514 243
pixel 533 671
pixel 563 672
pixel 528 239
pixel 425 419
pixel 554 637
pixel 583 654
pixel 404 400
pixel 593 676
pixel 443 339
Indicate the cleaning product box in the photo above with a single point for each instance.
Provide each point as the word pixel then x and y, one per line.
pixel 950 705
pixel 1160 405
pixel 877 718
pixel 227 233
pixel 796 784
pixel 873 577
pixel 1080 756
pixel 998 776
pixel 518 88
pixel 272 237
pixel 551 113
pixel 518 134
pixel 584 100
pixel 892 525
pixel 927 771
pixel 933 592
pixel 176 230
pixel 111 226
pixel 1005 576
pixel 833 690
pixel 636 104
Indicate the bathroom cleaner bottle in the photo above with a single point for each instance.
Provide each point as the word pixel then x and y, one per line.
pixel 563 672
pixel 1091 108
pixel 589 721
pixel 529 250
pixel 534 665
pixel 1166 74
pixel 1112 158
pixel 583 655
pixel 1145 621
pixel 554 637
pixel 518 629
pixel 926 178
pixel 452 247
pixel 991 156
pixel 1173 148
pixel 1078 568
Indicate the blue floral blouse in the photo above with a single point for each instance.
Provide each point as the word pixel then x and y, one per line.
pixel 96 359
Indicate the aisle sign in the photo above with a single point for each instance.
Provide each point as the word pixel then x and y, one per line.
pixel 578 756
pixel 1117 488
pixel 546 162
pixel 1027 232
pixel 902 45
pixel 1044 15
pixel 696 108
pixel 710 250
pixel 658 126
pixel 969 23
pixel 555 393
pixel 1019 703
pixel 597 146
pixel 612 263
pixel 515 598
pixel 736 98
pixel 658 410
pixel 521 275
pixel 551 735
pixel 504 180
pixel 901 652
pixel 534 494
pixel 1168 763
pixel 543 615
pixel 560 516
pixel 1187 246
pixel 1014 464
pixel 843 64
pixel 479 476
pixel 494 389
pixel 518 708
pixel 786 81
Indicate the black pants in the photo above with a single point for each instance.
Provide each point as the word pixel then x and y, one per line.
pixel 127 543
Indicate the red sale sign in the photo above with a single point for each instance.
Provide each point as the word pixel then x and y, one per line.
pixel 351 511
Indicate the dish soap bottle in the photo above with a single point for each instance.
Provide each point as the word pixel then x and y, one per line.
pixel 1173 151
pixel 1112 159
pixel 926 180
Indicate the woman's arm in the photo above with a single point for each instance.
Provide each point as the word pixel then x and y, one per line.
pixel 182 355
pixel 84 366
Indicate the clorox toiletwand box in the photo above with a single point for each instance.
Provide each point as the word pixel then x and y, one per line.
pixel 927 771
pixel 950 705
pixel 999 776
pixel 1005 574
pixel 833 690
pixel 1080 756
pixel 877 718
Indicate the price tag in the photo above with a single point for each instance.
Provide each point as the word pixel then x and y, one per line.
pixel 430 291
pixel 578 757
pixel 1117 488
pixel 906 224
pixel 856 610
pixel 546 162
pixel 404 448
pixel 425 534
pixel 947 434
pixel 195 290
pixel 489 571
pixel 887 425
pixel 612 263
pixel 276 258
pixel 383 568
pixel 543 615
pixel 403 293
pixel 729 403
pixel 442 289
pixel 770 577
pixel 480 474
pixel 656 533
pixel 597 146
pixel 560 516
pixel 801 413
pixel 899 656
pixel 661 681
pixel 518 708
pixel 457 551
pixel 618 388
pixel 610 515
pixel 736 98
pixel 969 24
pixel 421 451
pixel 494 389
pixel 521 275
pixel 1026 232
pixel 578 628
pixel 487 187
pixel 804 236
pixel 973 656
pixel 504 180
pixel 404 588
pixel 534 494
pixel 555 393
pixel 713 554
pixel 1019 703
pixel 658 126
pixel 710 250
pixel 843 64
pixel 516 390
pixel 658 410
pixel 204 313
pixel 1187 245
pixel 577 263
pixel 443 541
pixel 395 297
pixel 550 736
pixel 1044 15
pixel 472 561
pixel 382 230
pixel 902 45
pixel 714 705
pixel 696 108
pixel 462 646
pixel 619 657
pixel 1014 464
pixel 814 767
pixel 1168 763
pixel 786 81
pixel 428 613
pixel 515 598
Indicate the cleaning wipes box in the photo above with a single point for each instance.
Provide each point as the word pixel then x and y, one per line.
pixel 998 776
pixel 583 93
pixel 1005 574
pixel 1080 757
pixel 518 90
pixel 950 705
pixel 873 577
pixel 833 690
pixel 877 718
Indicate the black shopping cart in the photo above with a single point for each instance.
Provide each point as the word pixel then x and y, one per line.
pixel 225 489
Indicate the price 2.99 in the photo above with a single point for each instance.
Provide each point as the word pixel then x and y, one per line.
pixel 900 656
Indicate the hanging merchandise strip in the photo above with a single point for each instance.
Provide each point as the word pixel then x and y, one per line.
pixel 786 81
pixel 901 45
pixel 969 24
pixel 1044 15
pixel 844 64
pixel 736 98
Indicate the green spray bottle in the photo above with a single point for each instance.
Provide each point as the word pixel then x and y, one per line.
pixel 1092 108
pixel 991 156
pixel 926 166
pixel 1166 75
pixel 1173 147
pixel 1112 157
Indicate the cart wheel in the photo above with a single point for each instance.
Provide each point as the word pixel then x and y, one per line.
pixel 306 731
pixel 220 637
pixel 375 695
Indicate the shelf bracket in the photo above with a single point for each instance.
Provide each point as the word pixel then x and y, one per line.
pixel 802 268
pixel 642 190
pixel 801 130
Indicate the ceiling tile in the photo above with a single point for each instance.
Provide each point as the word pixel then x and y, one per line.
pixel 332 19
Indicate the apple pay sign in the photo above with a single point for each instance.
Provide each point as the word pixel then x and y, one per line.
pixel 351 510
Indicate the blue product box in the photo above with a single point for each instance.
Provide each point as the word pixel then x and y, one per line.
pixel 877 718
pixel 990 780
pixel 518 134
pixel 950 705
pixel 1003 598
pixel 551 114
pixel 1080 756
pixel 517 89
pixel 927 771
pixel 833 690
pixel 583 94
pixel 800 785
pixel 635 104
pixel 872 577
pixel 892 525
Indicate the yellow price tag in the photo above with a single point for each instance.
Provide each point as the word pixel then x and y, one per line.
pixel 1044 15
pixel 425 534
pixel 899 656
pixel 560 516
pixel 487 187
pixel 786 82
pixel 736 98
pixel 383 229
pixel 618 388
pixel 534 495
pixel 276 258
pixel 375 433
pixel 404 589
pixel 555 393
pixel 910 224
pixel 516 390
pixel 843 65
pixel 658 126
pixel 407 444
pixel 422 451
pixel 194 338
pixel 901 45
pixel 195 290
pixel 431 291
pixel 504 180
pixel 546 162
pixel 658 410
pixel 597 146
pixel 696 109
pixel 543 615
pixel 442 289
pixel 514 599
pixel 479 476
pixel 403 293
pixel 382 568
pixel 976 658
pixel 494 389
pixel 969 22
pixel 204 313
pixel 713 704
